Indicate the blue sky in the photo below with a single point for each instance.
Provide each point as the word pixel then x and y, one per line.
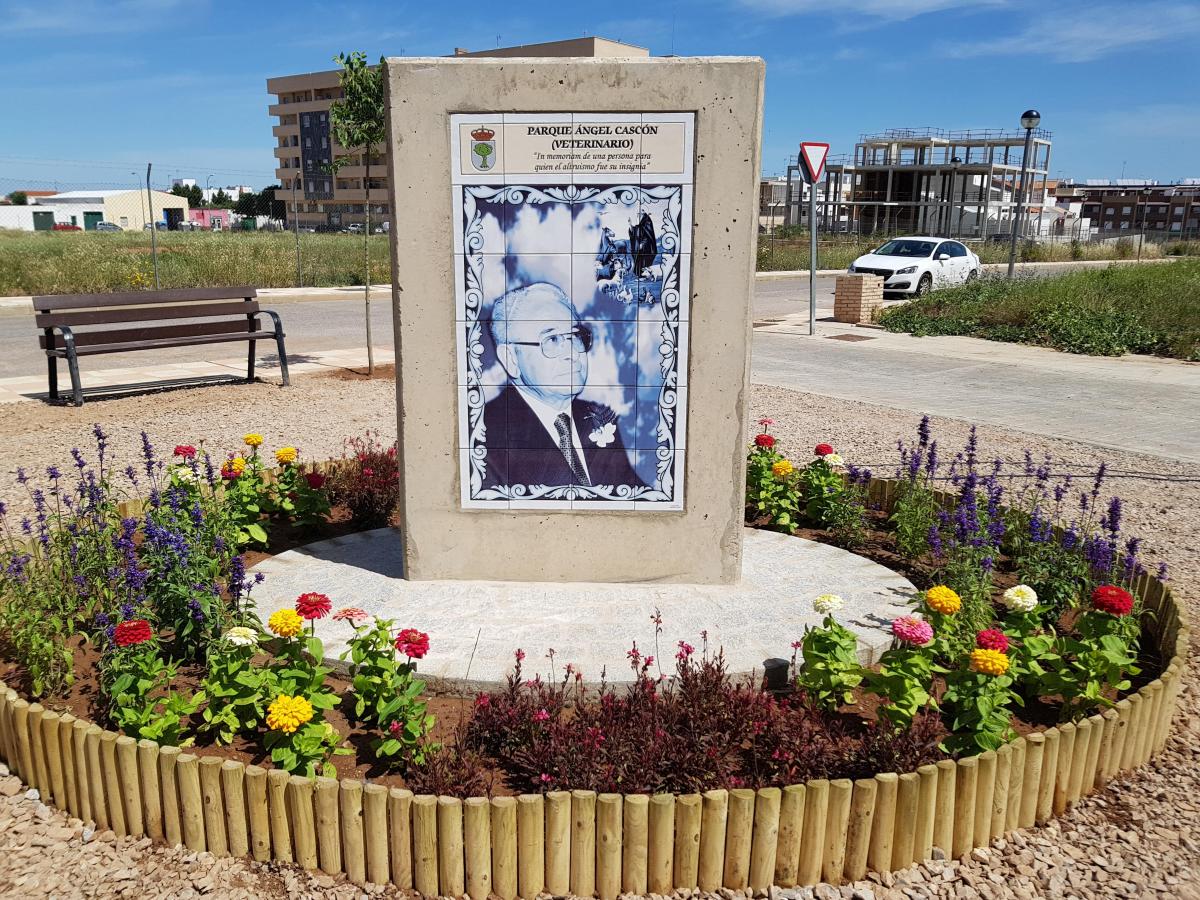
pixel 93 89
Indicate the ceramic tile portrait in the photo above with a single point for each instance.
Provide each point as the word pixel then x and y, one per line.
pixel 572 321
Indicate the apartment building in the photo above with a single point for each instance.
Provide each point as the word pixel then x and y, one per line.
pixel 305 147
pixel 933 181
pixel 1133 206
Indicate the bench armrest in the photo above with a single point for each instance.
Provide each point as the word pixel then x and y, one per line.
pixel 274 318
pixel 68 337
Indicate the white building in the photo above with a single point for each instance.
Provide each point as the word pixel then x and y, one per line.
pixel 127 209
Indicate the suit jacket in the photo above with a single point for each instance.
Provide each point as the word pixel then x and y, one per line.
pixel 521 451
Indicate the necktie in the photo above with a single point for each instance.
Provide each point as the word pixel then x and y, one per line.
pixel 562 424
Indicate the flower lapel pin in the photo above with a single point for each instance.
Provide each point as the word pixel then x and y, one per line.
pixel 604 434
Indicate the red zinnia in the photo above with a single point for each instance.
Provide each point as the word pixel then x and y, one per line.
pixel 1113 600
pixel 187 451
pixel 313 606
pixel 134 631
pixel 412 643
pixel 764 440
pixel 315 480
pixel 823 449
pixel 992 639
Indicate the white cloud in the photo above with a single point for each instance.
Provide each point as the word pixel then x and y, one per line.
pixel 87 17
pixel 1082 33
pixel 890 10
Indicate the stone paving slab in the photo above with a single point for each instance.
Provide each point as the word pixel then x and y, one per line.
pixel 476 626
pixel 31 387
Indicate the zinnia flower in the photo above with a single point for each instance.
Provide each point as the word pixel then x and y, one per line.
pixel 833 459
pixel 1021 598
pixel 241 636
pixel 286 713
pixel 313 605
pixel 912 630
pixel 828 604
pixel 782 469
pixel 992 639
pixel 253 439
pixel 766 422
pixel 412 643
pixel 187 451
pixel 943 600
pixel 133 631
pixel 541 716
pixel 1113 600
pixel 351 614
pixel 285 456
pixel 764 440
pixel 822 449
pixel 989 662
pixel 233 467
pixel 285 622
pixel 315 480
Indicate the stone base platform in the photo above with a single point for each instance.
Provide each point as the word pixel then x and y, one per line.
pixel 476 626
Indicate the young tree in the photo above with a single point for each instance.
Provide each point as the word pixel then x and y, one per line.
pixel 357 122
pixel 247 204
pixel 221 200
pixel 18 198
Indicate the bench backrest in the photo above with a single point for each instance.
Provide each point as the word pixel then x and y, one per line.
pixel 223 311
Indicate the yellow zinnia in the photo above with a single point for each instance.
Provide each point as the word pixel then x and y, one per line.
pixel 286 713
pixel 285 455
pixel 989 662
pixel 783 468
pixel 943 600
pixel 253 439
pixel 286 622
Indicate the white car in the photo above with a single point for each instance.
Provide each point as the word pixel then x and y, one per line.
pixel 916 265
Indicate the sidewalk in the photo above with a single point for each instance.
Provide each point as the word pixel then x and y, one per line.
pixel 159 375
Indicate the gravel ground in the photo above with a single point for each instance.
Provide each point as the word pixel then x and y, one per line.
pixel 1141 838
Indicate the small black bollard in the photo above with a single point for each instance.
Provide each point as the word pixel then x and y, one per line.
pixel 776 678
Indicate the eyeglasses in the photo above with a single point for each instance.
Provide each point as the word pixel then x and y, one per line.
pixel 561 344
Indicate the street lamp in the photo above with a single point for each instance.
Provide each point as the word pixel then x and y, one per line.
pixel 1147 192
pixel 207 188
pixel 1029 121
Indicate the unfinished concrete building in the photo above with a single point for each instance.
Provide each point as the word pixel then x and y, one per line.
pixel 930 181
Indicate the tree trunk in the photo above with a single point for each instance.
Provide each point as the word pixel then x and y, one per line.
pixel 367 260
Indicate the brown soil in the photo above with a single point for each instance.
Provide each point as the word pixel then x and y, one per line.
pixel 385 372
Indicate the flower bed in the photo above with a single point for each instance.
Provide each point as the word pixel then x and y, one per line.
pixel 778 805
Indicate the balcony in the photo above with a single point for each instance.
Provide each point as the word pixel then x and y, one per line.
pixel 281 109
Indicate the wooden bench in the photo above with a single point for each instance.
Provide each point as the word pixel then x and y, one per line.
pixel 228 314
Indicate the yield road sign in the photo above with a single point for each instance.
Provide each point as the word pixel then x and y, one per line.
pixel 812 159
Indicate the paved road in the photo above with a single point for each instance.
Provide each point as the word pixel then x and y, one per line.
pixel 1147 405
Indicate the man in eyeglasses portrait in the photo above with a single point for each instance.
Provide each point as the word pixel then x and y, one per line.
pixel 537 430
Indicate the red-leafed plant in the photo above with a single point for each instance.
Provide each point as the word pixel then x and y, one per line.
pixel 366 480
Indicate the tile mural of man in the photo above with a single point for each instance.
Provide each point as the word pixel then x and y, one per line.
pixel 538 431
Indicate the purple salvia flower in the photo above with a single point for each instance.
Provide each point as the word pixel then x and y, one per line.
pixel 934 539
pixel 987 563
pixel 22 478
pixel 1028 464
pixel 923 433
pixel 1161 575
pixel 1114 516
pixel 1070 538
pixel 148 454
pixel 931 460
pixel 1096 485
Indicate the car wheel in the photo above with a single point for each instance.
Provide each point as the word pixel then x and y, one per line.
pixel 972 275
pixel 924 285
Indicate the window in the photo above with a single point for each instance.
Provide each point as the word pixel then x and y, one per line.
pixel 307 142
pixel 1124 226
pixel 954 248
pixel 1176 226
pixel 1126 210
pixel 306 118
pixel 1178 212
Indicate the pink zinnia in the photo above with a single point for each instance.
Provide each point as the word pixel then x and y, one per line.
pixel 541 716
pixel 412 643
pixel 313 605
pixel 766 422
pixel 912 630
pixel 351 614
pixel 992 639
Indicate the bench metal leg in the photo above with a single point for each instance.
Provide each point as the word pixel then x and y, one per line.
pixel 73 368
pixel 282 357
pixel 52 365
pixel 250 364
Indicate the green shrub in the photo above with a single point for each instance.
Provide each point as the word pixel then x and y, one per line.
pixel 1104 312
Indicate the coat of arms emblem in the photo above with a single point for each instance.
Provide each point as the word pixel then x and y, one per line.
pixel 483 148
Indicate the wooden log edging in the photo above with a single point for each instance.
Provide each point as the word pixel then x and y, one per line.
pixel 589 844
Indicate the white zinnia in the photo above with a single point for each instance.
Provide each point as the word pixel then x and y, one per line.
pixel 828 604
pixel 834 459
pixel 241 636
pixel 1021 598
